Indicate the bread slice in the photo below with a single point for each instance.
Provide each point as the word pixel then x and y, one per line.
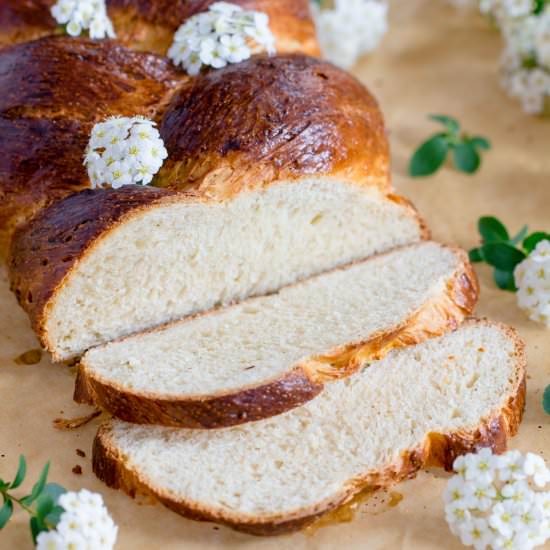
pixel 419 406
pixel 267 355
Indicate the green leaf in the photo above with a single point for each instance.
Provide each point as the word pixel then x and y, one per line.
pixel 44 505
pixel 502 256
pixel 37 526
pixel 39 485
pixel 520 236
pixel 505 280
pixel 530 243
pixel 466 157
pixel 5 512
pixel 492 230
pixel 450 123
pixel 4 485
pixel 21 472
pixel 429 157
pixel 539 6
pixel 476 255
pixel 480 142
pixel 546 400
pixel 54 491
pixel 52 519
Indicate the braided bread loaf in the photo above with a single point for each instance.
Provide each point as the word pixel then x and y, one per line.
pixel 276 186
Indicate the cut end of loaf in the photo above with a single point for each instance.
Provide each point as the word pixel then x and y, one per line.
pixel 270 354
pixel 170 258
pixel 425 405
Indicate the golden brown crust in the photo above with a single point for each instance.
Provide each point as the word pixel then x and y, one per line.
pixel 24 20
pixel 81 79
pixel 269 119
pixel 149 25
pixel 302 383
pixel 53 92
pixel 272 398
pixel 439 450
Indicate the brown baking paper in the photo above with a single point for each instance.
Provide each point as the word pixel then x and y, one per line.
pixel 435 59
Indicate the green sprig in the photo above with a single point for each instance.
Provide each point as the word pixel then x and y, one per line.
pixel 41 503
pixel 503 252
pixel 465 149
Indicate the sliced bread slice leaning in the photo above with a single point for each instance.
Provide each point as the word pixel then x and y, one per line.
pixel 419 406
pixel 267 355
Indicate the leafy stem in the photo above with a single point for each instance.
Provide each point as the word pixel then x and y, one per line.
pixel 503 252
pixel 41 503
pixel 433 152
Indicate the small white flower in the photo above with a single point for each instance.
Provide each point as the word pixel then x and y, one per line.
pixel 49 540
pixel 510 466
pixel 535 467
pixel 84 15
pixel 475 533
pixel 482 497
pixel 502 518
pixel 351 29
pixel 234 48
pixel 519 494
pixel 224 34
pixel 532 277
pixel 479 467
pixel 457 491
pixel 124 151
pixel 457 513
pixel 74 28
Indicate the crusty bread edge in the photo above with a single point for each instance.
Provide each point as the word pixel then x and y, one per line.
pixel 437 450
pixel 300 384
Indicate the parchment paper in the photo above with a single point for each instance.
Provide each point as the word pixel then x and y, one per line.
pixel 435 59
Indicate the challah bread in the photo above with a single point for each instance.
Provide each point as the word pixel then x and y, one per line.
pixel 102 264
pixel 272 119
pixel 149 25
pixel 278 183
pixel 419 406
pixel 53 91
pixel 267 355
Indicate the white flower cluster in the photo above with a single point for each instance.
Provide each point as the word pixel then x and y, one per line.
pixel 224 34
pixel 532 278
pixel 351 29
pixel 497 502
pixel 123 151
pixel 84 15
pixel 84 525
pixel 525 64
